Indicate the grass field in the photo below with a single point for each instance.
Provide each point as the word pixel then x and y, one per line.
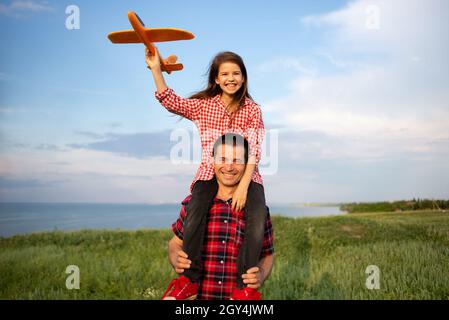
pixel 316 258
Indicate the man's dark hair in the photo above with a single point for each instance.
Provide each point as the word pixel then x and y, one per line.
pixel 232 139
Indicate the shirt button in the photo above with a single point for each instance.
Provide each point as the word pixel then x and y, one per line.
pixel 226 221
pixel 223 241
pixel 219 282
pixel 221 261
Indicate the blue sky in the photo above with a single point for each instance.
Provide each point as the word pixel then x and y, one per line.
pixel 354 96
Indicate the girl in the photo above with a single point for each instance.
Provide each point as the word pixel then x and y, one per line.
pixel 225 105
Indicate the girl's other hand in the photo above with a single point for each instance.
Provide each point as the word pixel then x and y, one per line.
pixel 153 62
pixel 239 198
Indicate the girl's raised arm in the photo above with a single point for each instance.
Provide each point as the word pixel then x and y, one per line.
pixel 154 64
pixel 187 108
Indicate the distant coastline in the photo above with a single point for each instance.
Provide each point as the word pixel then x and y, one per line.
pixel 23 218
pixel 317 204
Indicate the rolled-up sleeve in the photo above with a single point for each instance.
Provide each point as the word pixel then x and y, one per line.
pixel 187 108
pixel 178 225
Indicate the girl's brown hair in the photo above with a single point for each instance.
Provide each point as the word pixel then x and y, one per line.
pixel 213 89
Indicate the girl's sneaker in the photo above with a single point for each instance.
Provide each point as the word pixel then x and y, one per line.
pixel 246 294
pixel 181 289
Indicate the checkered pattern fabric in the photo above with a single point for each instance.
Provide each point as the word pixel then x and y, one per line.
pixel 224 236
pixel 212 120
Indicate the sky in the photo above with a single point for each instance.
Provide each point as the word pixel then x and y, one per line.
pixel 354 97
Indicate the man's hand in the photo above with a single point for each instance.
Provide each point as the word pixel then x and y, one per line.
pixel 239 197
pixel 253 277
pixel 182 262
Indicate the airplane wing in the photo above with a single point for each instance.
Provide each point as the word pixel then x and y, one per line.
pixel 150 35
pixel 153 34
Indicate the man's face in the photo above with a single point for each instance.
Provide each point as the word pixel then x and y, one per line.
pixel 229 164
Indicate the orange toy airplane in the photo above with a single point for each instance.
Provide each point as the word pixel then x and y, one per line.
pixel 147 36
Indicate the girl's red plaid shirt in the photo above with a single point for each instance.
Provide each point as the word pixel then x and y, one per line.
pixel 212 120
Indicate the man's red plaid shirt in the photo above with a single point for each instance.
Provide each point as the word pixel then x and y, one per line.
pixel 224 236
pixel 213 121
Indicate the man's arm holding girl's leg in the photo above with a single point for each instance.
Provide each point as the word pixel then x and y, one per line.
pixel 256 276
pixel 177 257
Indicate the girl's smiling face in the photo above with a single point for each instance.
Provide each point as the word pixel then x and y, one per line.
pixel 230 78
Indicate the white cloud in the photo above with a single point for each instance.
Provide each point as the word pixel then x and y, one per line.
pixel 38 164
pixel 395 87
pixel 20 6
pixel 93 176
pixel 285 63
pixel 404 27
pixel 379 110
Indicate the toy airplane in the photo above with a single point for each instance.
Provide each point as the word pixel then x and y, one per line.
pixel 147 36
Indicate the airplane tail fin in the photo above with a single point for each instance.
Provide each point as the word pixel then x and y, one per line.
pixel 171 59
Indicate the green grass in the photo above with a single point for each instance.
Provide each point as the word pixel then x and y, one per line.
pixel 316 258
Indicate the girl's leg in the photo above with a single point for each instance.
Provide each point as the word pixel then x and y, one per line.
pixel 194 229
pixel 255 215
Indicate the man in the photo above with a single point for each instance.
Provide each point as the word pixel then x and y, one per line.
pixel 224 236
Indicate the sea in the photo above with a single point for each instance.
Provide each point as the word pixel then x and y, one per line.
pixel 23 218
